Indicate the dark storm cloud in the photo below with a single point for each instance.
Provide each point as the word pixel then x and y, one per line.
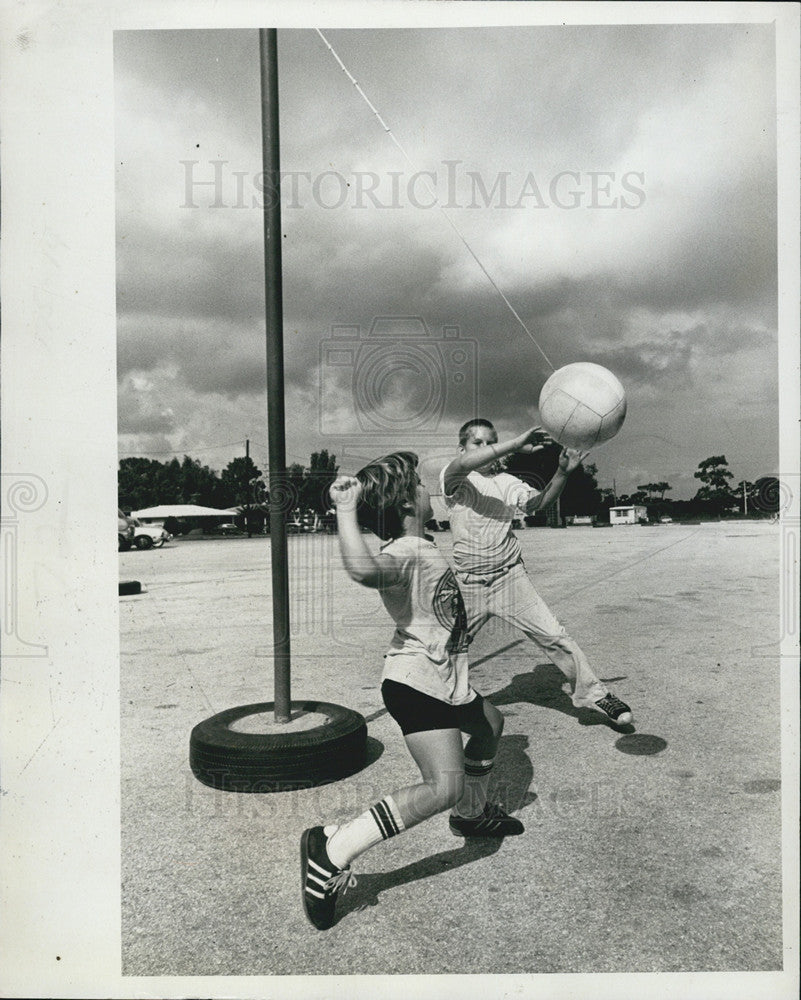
pixel 189 271
pixel 512 372
pixel 328 284
pixel 662 296
pixel 561 95
pixel 725 253
pixel 344 266
pixel 732 338
pixel 213 357
pixel 664 360
pixel 215 70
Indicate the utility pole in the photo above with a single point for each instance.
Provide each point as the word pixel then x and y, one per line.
pixel 553 514
pixel 249 495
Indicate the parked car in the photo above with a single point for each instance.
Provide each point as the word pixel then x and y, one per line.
pixel 229 528
pixel 148 536
pixel 301 522
pixel 125 531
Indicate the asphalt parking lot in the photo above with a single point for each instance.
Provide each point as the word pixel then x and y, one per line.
pixel 652 849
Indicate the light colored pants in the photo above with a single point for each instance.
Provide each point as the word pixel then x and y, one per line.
pixel 510 595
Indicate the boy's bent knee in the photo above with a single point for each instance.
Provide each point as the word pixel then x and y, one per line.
pixel 484 737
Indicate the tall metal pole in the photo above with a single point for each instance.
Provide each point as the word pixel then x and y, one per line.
pixel 275 369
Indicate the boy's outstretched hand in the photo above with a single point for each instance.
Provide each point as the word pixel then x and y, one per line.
pixel 570 459
pixel 535 440
pixel 345 492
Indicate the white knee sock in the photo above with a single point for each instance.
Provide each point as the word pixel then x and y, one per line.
pixel 379 822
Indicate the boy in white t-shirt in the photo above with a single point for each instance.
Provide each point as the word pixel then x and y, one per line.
pixel 482 503
pixel 425 684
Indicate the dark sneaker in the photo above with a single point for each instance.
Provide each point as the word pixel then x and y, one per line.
pixel 614 709
pixel 321 881
pixel 493 822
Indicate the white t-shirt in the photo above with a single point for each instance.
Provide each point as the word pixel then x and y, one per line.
pixel 481 511
pixel 429 648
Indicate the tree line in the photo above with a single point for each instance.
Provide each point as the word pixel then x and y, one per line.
pixel 715 497
pixel 144 482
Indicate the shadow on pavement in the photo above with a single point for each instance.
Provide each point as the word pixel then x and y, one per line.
pixel 375 715
pixel 543 686
pixel 373 750
pixel 495 652
pixel 512 776
pixel 641 745
pixel 369 887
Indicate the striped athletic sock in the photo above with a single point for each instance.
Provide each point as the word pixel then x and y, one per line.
pixel 476 782
pixel 379 822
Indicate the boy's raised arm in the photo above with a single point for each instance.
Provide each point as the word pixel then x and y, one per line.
pixel 569 459
pixel 468 461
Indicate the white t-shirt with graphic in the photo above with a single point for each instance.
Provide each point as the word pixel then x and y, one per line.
pixel 481 510
pixel 429 648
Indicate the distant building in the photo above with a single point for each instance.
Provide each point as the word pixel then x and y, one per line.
pixel 628 515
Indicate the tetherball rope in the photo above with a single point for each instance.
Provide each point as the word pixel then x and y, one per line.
pixel 431 191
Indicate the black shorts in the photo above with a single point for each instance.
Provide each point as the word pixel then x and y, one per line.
pixel 416 712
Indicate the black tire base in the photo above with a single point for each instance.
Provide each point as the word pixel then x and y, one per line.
pixel 130 587
pixel 232 761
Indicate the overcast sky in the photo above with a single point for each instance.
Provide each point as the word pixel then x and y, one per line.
pixel 617 182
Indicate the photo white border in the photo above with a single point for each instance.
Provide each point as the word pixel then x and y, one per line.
pixel 59 711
